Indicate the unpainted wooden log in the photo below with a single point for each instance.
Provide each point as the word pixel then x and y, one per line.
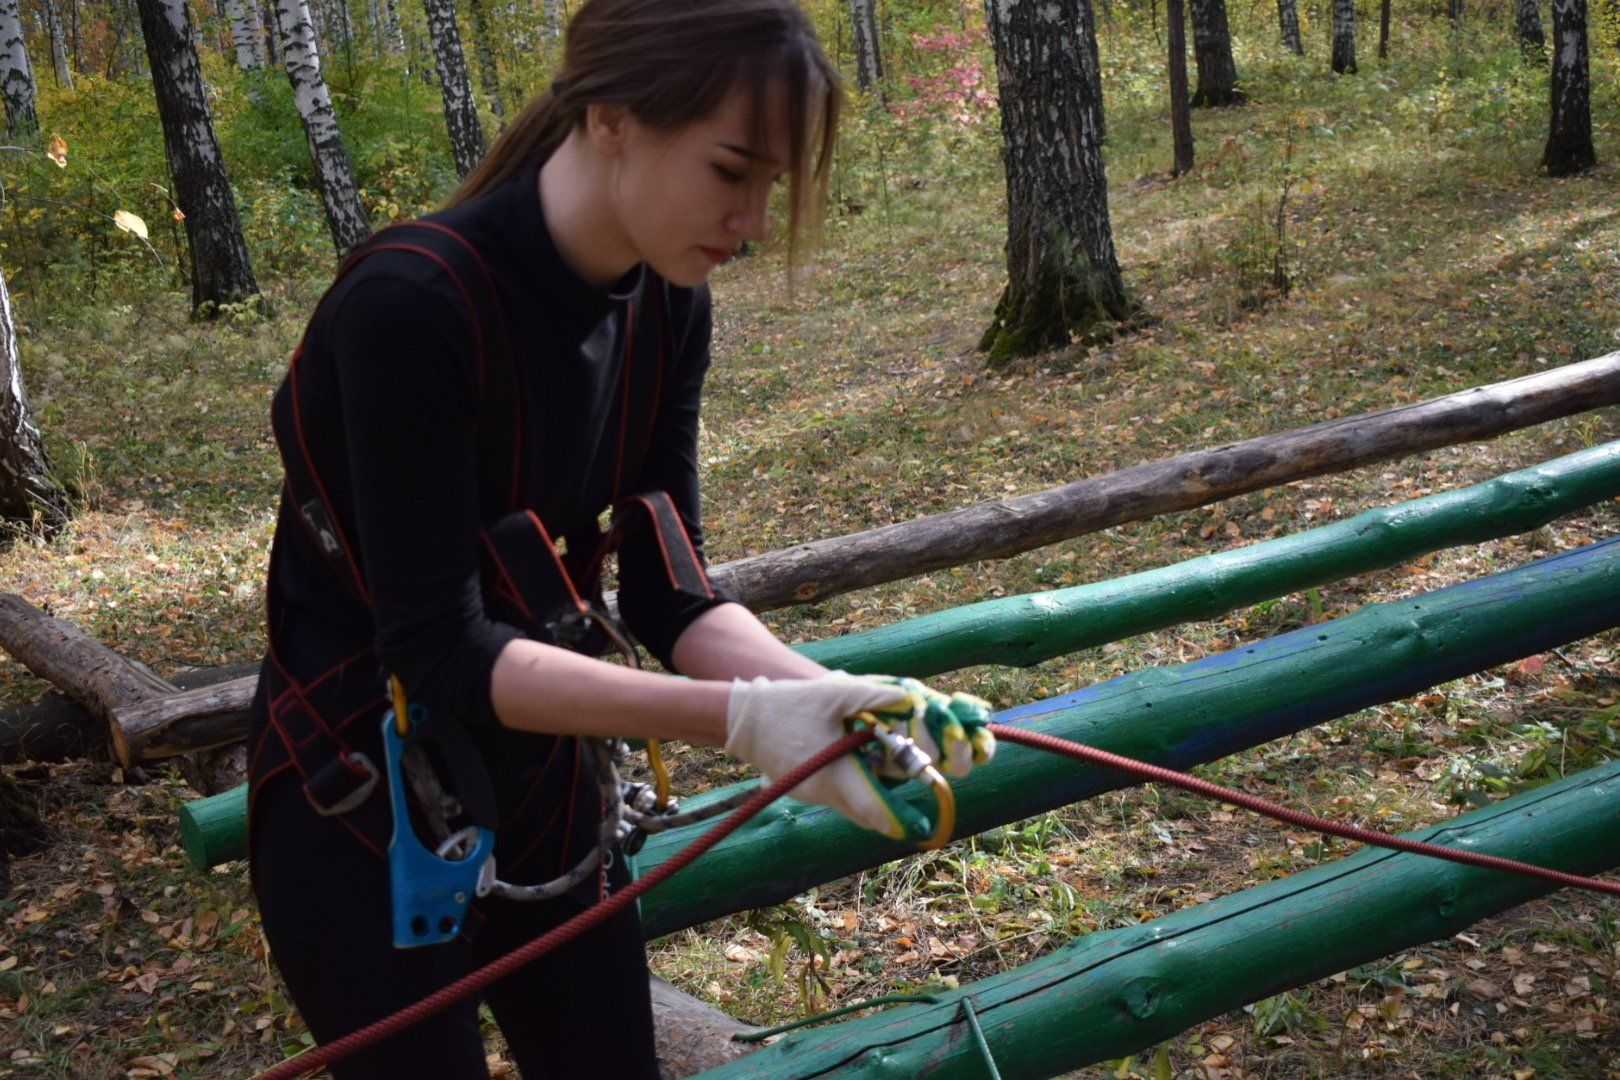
pixel 57 728
pixel 207 717
pixel 692 1035
pixel 998 530
pixel 72 661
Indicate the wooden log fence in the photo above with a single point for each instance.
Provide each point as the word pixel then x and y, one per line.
pixel 153 727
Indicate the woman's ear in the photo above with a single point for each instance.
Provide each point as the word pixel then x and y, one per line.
pixel 607 127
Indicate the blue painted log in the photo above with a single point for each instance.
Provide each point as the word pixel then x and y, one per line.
pixel 1176 716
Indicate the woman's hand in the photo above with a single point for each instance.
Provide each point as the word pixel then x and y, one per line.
pixel 952 730
pixel 775 725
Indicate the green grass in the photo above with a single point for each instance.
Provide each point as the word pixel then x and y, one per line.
pixel 1424 254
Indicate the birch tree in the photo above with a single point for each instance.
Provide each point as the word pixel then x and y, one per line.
pixel 59 45
pixel 246 36
pixel 345 217
pixel 1569 135
pixel 460 109
pixel 29 493
pixel 863 24
pixel 16 74
pixel 489 75
pixel 1532 40
pixel 1063 278
pixel 1212 52
pixel 220 271
pixel 1344 37
pixel 1288 24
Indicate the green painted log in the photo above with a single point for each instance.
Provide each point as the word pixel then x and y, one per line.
pixel 1025 630
pixel 214 830
pixel 1113 993
pixel 1178 716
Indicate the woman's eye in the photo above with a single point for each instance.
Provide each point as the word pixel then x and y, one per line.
pixel 728 175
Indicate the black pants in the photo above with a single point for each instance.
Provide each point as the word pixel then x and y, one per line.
pixel 580 1011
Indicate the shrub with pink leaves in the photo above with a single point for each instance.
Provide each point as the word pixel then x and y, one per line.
pixel 959 91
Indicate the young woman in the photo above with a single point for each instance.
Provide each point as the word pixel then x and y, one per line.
pixel 471 394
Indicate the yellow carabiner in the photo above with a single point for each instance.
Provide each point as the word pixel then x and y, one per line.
pixel 655 759
pixel 945 799
pixel 402 716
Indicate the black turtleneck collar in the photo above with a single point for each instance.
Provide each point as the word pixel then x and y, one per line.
pixel 551 278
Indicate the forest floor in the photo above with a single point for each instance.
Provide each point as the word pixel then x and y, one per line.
pixel 1424 254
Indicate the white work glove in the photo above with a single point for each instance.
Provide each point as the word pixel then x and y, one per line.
pixel 777 724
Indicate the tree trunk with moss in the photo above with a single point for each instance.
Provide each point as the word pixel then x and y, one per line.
pixel 1212 51
pixel 1569 136
pixel 1063 278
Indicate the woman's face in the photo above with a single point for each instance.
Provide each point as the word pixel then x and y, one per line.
pixel 686 200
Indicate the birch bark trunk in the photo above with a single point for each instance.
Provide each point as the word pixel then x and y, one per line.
pixel 246 37
pixel 29 493
pixel 16 74
pixel 1569 135
pixel 868 53
pixel 1212 51
pixel 1344 37
pixel 489 75
pixel 59 45
pixel 345 217
pixel 221 272
pixel 1063 279
pixel 1288 23
pixel 460 109
pixel 393 32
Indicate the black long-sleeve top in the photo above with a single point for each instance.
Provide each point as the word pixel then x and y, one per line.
pixel 390 376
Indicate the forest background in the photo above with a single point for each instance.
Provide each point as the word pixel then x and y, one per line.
pixel 1342 243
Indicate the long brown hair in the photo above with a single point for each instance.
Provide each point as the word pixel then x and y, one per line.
pixel 671 62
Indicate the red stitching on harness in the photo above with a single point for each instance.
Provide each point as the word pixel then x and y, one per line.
pixel 686 539
pixel 507 584
pixel 562 568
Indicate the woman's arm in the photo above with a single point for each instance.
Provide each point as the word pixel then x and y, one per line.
pixel 728 642
pixel 536 687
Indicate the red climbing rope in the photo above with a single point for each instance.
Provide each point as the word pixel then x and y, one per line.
pixel 607 909
pixel 1157 774
pixel 588 919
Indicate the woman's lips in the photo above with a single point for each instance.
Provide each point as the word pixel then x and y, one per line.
pixel 716 255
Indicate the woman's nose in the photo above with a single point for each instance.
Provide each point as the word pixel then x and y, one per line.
pixel 750 220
